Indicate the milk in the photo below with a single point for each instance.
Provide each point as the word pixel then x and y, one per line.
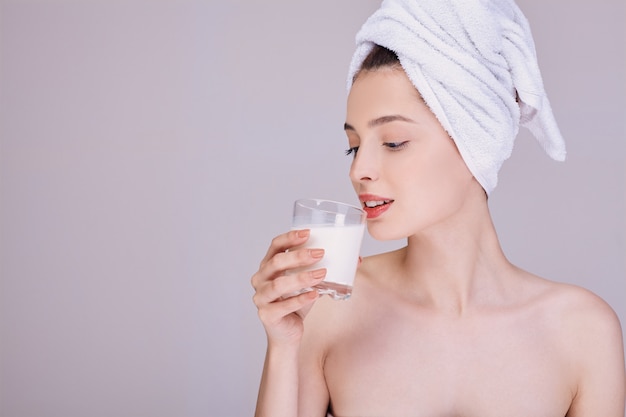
pixel 341 244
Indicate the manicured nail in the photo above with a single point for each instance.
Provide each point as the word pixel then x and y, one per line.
pixel 303 233
pixel 318 273
pixel 316 253
pixel 312 295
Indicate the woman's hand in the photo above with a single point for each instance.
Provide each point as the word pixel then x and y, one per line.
pixel 281 312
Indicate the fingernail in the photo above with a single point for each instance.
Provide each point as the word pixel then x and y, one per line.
pixel 316 253
pixel 303 233
pixel 318 273
pixel 312 295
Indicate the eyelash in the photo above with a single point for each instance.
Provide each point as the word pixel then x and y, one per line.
pixel 352 151
pixel 393 146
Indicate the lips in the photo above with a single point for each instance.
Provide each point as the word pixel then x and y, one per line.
pixel 375 205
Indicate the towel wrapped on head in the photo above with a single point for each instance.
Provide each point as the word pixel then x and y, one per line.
pixel 474 63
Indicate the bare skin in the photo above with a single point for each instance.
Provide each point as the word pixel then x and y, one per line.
pixel 446 326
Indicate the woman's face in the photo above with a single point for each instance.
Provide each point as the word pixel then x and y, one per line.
pixel 406 170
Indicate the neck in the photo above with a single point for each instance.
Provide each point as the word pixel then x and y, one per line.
pixel 457 264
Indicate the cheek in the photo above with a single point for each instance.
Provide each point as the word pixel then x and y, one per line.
pixel 450 182
pixel 435 187
pixel 445 166
pixel 457 176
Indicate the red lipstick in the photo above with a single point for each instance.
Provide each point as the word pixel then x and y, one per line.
pixel 375 205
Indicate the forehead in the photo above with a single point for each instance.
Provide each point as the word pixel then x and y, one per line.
pixel 381 92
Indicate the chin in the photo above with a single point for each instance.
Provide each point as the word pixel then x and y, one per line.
pixel 385 233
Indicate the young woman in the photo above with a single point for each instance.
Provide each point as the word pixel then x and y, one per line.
pixel 445 326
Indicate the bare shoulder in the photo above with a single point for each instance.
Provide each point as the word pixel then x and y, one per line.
pixel 589 324
pixel 588 334
pixel 580 312
pixel 576 312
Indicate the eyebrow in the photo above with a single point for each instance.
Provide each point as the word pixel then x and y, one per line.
pixel 380 121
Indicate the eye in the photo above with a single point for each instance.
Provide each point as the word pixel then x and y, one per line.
pixel 352 151
pixel 396 146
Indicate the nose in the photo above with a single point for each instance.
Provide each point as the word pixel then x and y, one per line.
pixel 364 166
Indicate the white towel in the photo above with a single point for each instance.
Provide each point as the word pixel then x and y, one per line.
pixel 469 59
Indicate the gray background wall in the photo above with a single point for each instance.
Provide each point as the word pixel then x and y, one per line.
pixel 151 149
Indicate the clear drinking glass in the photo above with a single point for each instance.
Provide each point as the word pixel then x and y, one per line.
pixel 338 229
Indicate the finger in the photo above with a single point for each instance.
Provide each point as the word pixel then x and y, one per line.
pixel 284 261
pixel 274 312
pixel 286 241
pixel 287 285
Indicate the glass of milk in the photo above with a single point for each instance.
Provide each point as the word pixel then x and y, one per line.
pixel 338 229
